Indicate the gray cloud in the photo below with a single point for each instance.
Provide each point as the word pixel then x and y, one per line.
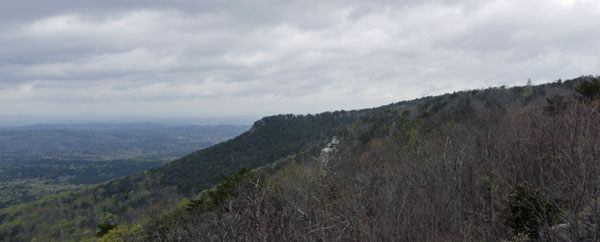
pixel 264 57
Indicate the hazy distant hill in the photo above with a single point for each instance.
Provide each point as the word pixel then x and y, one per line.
pixel 109 141
pixel 43 159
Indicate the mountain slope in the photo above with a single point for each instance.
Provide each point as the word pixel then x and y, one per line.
pixel 522 166
pixel 74 215
pixel 270 139
pixel 161 190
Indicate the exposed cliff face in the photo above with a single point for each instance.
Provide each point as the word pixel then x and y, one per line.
pixel 329 151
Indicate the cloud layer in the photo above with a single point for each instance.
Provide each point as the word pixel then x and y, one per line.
pixel 73 57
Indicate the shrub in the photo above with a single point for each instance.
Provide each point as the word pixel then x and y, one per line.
pixel 528 210
pixel 131 233
pixel 589 88
pixel 104 229
pixel 556 104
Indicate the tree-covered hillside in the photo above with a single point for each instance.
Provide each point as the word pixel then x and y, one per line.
pixel 490 164
pixel 76 214
pixel 523 169
pixel 270 139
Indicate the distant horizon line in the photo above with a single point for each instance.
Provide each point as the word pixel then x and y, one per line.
pixel 7 121
pixel 19 119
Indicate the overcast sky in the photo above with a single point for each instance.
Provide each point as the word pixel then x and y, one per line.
pixel 213 58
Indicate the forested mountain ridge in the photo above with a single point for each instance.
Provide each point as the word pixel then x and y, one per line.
pixel 123 200
pixel 480 165
pixel 346 202
pixel 268 140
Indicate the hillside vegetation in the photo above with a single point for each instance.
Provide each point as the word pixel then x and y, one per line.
pixel 517 164
pixel 76 214
pixel 513 164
